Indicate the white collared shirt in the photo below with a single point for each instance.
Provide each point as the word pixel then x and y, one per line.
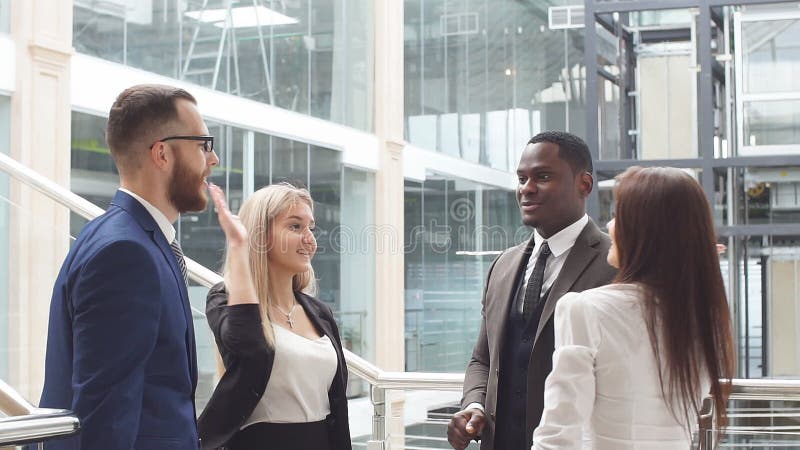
pixel 162 221
pixel 560 245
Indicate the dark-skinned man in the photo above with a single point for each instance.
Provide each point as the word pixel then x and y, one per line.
pixel 504 381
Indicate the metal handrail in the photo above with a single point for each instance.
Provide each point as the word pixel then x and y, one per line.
pixel 203 276
pixel 764 389
pixel 39 426
pixel 27 423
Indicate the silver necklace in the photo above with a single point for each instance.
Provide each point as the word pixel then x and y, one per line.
pixel 288 315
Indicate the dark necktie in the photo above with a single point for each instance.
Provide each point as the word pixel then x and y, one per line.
pixel 176 249
pixel 534 288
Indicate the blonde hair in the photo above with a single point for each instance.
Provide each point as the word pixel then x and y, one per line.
pixel 257 215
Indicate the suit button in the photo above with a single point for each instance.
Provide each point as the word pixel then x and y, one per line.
pixel 491 415
pixel 255 393
pixel 496 370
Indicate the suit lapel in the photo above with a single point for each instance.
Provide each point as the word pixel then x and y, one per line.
pixel 581 254
pixel 504 287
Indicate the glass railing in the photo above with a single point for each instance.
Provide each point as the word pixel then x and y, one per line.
pixel 412 409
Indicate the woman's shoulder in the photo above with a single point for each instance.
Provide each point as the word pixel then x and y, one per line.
pixel 600 298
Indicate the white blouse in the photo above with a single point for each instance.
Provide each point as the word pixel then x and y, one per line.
pixel 302 373
pixel 604 391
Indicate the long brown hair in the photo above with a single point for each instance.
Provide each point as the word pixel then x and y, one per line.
pixel 665 240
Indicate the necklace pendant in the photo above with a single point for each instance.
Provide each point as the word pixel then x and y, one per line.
pixel 290 322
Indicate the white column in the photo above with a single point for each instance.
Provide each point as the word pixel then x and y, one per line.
pixel 389 209
pixel 40 139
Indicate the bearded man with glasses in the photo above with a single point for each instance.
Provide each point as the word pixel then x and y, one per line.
pixel 120 346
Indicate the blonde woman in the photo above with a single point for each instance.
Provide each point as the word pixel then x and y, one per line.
pixel 285 374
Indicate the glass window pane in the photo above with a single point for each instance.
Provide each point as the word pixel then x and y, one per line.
pixel 289 162
pixel 99 31
pixel 5 6
pixel 93 175
pixel 453 230
pixel 772 123
pixel 662 17
pixel 356 247
pixel 326 190
pixel 608 96
pixel 262 160
pixel 770 52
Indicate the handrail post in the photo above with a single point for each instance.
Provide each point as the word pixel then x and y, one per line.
pixel 706 424
pixel 378 440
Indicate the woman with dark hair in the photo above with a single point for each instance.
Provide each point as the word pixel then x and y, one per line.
pixel 634 359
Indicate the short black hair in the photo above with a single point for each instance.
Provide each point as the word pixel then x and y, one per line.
pixel 571 149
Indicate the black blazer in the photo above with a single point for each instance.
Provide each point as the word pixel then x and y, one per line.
pixel 248 364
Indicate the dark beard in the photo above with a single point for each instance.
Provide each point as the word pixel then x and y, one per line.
pixel 183 193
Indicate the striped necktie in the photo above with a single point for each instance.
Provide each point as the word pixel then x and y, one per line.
pixel 176 250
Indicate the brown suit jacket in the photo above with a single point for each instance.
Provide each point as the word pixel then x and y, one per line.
pixel 585 268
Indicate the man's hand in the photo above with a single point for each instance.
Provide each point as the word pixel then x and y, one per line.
pixel 465 426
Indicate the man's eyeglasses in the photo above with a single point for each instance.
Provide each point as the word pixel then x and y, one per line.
pixel 208 141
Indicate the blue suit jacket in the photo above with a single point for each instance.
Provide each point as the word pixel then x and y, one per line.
pixel 120 345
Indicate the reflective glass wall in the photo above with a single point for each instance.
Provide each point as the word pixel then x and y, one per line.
pixel 310 56
pixel 344 212
pixel 5 205
pixel 453 231
pixel 484 76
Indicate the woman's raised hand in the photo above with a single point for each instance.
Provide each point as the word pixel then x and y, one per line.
pixel 235 232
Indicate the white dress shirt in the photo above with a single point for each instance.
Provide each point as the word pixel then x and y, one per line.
pixel 560 244
pixel 162 221
pixel 604 391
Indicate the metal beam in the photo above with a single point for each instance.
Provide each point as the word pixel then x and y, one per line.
pixel 767 229
pixel 627 84
pixel 608 75
pixel 592 129
pixel 621 164
pixel 640 5
pixel 717 17
pixel 696 163
pixel 599 6
pixel 745 2
pixel 666 35
pixel 705 100
pixel 606 21
pixel 759 161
